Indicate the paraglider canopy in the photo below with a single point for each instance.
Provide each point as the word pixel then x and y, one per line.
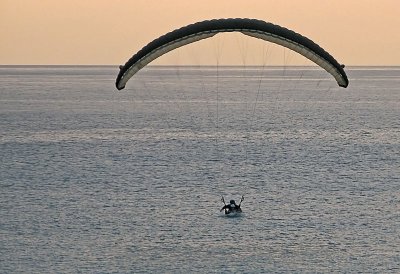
pixel 251 27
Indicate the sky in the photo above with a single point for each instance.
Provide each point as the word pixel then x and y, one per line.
pixel 104 32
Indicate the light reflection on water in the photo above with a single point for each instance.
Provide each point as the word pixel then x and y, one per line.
pixel 95 180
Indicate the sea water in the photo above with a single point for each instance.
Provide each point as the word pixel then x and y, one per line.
pixel 103 181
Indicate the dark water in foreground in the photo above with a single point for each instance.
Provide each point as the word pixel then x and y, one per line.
pixel 95 180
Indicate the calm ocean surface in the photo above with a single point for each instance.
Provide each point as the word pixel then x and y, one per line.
pixel 95 180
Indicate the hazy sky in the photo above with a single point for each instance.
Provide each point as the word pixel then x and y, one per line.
pixel 356 32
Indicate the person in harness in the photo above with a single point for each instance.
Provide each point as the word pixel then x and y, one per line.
pixel 232 207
